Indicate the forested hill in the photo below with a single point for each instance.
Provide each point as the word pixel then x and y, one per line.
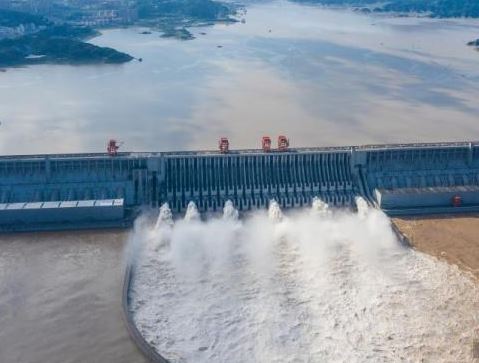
pixel 12 19
pixel 437 8
pixel 32 39
pixel 200 10
pixel 434 8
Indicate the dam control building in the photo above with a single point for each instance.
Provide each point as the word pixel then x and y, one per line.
pixel 64 191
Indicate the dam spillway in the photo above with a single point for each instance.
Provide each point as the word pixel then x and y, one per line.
pixel 400 179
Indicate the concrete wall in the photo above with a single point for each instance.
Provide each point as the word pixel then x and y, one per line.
pixel 62 212
pixel 410 177
pixel 427 197
pixel 250 178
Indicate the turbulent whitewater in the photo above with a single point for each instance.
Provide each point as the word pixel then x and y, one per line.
pixel 317 285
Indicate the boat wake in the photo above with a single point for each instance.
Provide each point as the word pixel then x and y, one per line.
pixel 313 286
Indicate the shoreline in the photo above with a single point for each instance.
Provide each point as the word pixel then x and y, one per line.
pixel 450 238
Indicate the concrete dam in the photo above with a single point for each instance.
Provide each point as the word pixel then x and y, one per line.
pixel 61 191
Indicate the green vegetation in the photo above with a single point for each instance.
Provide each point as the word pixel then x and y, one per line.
pixel 36 49
pixel 178 33
pixel 11 19
pixel 437 8
pixel 434 8
pixel 200 10
pixel 68 31
pixel 52 44
pixel 172 17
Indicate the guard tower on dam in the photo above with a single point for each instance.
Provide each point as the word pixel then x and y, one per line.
pixel 400 179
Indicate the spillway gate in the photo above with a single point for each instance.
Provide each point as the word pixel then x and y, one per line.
pixel 401 179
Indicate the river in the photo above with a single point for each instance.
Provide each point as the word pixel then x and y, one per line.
pixel 60 299
pixel 322 77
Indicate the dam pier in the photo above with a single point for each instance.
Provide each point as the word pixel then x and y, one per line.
pixel 69 191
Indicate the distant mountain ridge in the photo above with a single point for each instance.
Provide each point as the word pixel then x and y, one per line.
pixel 433 8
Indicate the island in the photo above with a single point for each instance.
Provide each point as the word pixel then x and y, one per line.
pixel 58 32
pixel 175 32
pixel 34 40
pixel 173 18
pixel 474 43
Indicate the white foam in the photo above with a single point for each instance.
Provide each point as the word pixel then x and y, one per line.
pixel 362 206
pixel 274 211
pixel 334 287
pixel 165 217
pixel 192 212
pixel 229 211
pixel 319 207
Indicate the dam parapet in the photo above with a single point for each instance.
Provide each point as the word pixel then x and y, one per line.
pixel 400 179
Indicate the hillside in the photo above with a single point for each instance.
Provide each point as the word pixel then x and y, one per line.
pixel 434 8
pixel 34 40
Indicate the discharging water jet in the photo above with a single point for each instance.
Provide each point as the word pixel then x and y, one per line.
pixel 230 213
pixel 274 211
pixel 192 213
pixel 362 206
pixel 319 207
pixel 165 218
pixel 330 281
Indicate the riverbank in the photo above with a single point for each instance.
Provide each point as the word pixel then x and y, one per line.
pixel 454 239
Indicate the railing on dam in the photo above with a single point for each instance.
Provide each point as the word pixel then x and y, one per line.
pixel 146 154
pixel 250 178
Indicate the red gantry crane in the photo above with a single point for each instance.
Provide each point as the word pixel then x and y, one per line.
pixel 113 146
pixel 266 143
pixel 224 145
pixel 283 143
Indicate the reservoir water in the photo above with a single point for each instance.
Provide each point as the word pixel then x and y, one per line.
pixel 322 77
